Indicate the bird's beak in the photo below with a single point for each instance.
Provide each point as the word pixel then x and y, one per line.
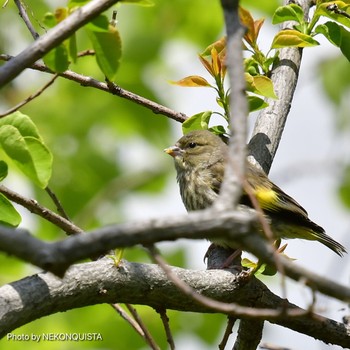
pixel 173 151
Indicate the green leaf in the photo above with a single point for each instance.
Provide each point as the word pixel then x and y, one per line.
pixel 42 160
pixel 337 35
pixel 270 61
pixel 107 45
pixel 251 66
pixel 49 20
pixel 248 263
pixel 3 170
pixel 260 85
pixel 99 24
pixel 8 214
pixel 218 130
pixel 57 59
pixel 340 15
pixel 331 31
pixel 29 154
pixel 290 12
pixel 13 144
pixel 21 122
pixel 196 122
pixel 292 38
pixel 256 103
pixel 259 267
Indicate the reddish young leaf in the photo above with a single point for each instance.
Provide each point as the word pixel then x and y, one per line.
pixel 61 13
pixel 219 45
pixel 248 21
pixel 207 65
pixel 257 26
pixel 192 81
pixel 216 64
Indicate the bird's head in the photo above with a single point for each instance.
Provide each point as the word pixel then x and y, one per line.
pixel 197 149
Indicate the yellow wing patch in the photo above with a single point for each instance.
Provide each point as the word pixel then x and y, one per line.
pixel 267 198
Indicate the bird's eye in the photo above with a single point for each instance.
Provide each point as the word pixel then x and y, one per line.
pixel 192 145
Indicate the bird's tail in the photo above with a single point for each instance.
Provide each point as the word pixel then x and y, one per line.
pixel 302 227
pixel 322 237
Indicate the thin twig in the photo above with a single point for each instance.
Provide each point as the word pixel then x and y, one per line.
pixel 136 323
pixel 153 106
pixel 128 319
pixel 29 98
pixel 85 53
pixel 147 335
pixel 26 20
pixel 249 334
pixel 112 89
pixel 230 309
pixel 165 320
pixel 34 207
pixel 228 331
pixel 52 38
pixel 58 204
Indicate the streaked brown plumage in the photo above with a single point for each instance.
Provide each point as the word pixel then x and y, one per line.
pixel 200 157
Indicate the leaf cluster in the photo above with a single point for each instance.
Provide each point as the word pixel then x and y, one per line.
pixel 304 31
pixel 22 145
pixel 258 66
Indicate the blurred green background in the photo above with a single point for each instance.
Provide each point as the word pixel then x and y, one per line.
pixel 107 149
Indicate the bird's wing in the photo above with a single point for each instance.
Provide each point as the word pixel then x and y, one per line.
pixel 274 199
pixel 270 196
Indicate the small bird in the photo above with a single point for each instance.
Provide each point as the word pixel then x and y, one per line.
pixel 200 157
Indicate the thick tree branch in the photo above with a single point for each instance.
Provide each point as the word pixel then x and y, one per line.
pixel 271 120
pixel 111 88
pixel 101 282
pixel 238 226
pixel 52 38
pixel 58 256
pixel 231 320
pixel 249 334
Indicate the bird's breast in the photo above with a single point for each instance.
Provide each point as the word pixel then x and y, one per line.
pixel 196 189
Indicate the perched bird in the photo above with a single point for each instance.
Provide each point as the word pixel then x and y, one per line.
pixel 200 157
